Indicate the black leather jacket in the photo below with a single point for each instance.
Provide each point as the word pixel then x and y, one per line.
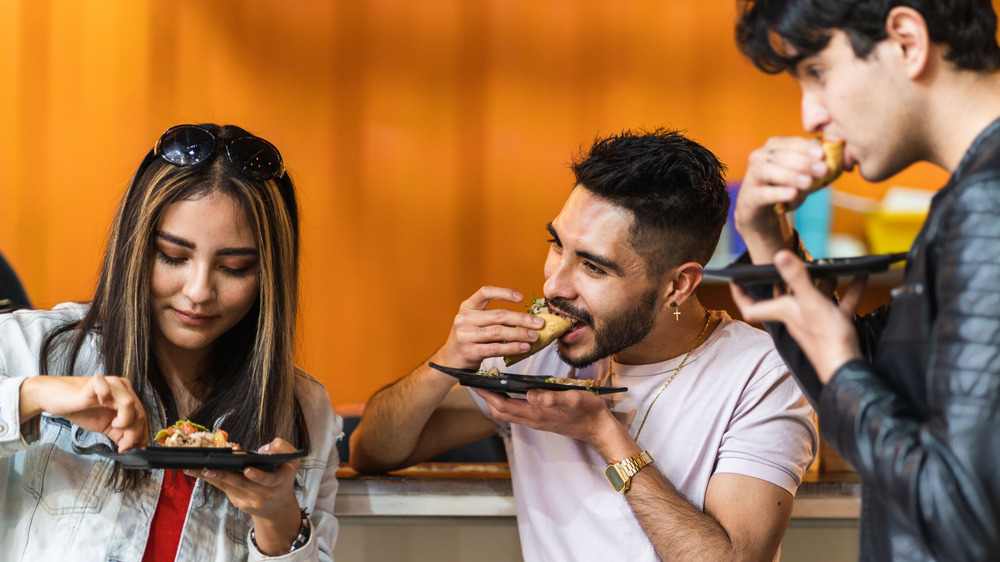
pixel 920 419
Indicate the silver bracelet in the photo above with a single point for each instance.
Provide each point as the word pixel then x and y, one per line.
pixel 305 531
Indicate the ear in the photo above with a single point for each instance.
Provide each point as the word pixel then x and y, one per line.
pixel 687 277
pixel 907 32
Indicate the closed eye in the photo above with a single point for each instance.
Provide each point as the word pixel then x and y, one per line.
pixel 555 237
pixel 235 271
pixel 168 260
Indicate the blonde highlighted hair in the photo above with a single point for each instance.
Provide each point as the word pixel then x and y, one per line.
pixel 251 375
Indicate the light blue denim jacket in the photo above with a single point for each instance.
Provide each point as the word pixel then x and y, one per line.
pixel 55 503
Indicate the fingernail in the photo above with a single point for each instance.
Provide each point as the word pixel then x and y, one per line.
pixel 248 472
pixel 532 334
pixel 818 169
pixel 518 296
pixel 537 321
pixel 208 473
pixel 816 150
pixel 523 346
pixel 803 180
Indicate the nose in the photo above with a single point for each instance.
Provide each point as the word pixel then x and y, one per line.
pixel 557 277
pixel 814 114
pixel 198 286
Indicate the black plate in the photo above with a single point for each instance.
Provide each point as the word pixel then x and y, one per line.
pixel 832 267
pixel 197 458
pixel 518 384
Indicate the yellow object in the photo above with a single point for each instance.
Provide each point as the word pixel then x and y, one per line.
pixel 892 232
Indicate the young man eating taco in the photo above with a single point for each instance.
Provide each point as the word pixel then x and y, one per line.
pixel 699 459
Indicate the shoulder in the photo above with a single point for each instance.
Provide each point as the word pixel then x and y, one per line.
pixel 738 337
pixel 315 401
pixel 309 390
pixel 33 325
pixel 746 354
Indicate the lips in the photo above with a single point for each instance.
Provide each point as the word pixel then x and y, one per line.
pixel 191 318
pixel 578 325
pixel 574 332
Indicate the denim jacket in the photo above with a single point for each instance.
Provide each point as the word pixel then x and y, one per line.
pixel 55 501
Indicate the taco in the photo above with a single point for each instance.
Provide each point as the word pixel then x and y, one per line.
pixel 555 326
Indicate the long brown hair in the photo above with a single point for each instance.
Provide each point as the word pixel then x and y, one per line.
pixel 251 375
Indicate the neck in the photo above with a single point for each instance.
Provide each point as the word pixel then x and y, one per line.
pixel 183 373
pixel 671 336
pixel 959 108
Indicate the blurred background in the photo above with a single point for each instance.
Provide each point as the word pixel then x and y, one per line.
pixel 429 141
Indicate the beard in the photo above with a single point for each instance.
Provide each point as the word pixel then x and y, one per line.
pixel 622 330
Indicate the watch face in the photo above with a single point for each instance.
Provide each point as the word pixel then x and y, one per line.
pixel 617 482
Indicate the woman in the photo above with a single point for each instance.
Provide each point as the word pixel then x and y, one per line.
pixel 194 314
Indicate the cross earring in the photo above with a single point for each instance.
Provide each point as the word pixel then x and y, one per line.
pixel 677 311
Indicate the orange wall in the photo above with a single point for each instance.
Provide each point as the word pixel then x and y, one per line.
pixel 429 140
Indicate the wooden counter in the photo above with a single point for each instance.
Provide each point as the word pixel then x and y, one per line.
pixel 484 490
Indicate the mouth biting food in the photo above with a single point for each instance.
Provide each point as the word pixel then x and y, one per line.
pixel 555 326
pixel 185 433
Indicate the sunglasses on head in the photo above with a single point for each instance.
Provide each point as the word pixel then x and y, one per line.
pixel 188 145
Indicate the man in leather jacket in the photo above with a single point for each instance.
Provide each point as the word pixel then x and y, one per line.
pixel 909 395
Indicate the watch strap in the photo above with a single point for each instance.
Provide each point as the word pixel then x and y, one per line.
pixel 620 473
pixel 634 464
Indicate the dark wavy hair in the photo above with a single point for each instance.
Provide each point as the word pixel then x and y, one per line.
pixel 252 376
pixel 673 186
pixel 966 28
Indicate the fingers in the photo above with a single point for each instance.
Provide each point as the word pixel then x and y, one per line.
pixel 849 302
pixel 102 390
pixel 130 417
pixel 478 333
pixel 487 294
pixel 784 170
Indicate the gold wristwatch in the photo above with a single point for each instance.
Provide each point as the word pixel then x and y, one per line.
pixel 620 473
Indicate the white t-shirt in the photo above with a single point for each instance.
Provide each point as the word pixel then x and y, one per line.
pixel 732 408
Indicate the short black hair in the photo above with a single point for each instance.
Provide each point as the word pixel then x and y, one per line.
pixel 674 188
pixel 966 28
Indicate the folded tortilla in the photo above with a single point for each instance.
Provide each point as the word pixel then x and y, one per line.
pixel 833 155
pixel 554 327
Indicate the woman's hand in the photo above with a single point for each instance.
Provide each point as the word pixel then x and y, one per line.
pixel 268 497
pixel 97 403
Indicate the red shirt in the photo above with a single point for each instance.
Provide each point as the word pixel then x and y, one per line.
pixel 168 519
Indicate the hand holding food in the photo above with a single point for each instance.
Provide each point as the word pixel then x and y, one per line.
pixel 833 157
pixel 555 326
pixel 479 333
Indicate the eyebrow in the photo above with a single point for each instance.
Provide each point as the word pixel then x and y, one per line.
pixel 599 260
pixel 178 241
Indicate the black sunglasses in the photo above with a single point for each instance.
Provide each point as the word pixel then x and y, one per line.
pixel 188 145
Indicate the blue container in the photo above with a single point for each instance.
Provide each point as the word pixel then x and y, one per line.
pixel 812 221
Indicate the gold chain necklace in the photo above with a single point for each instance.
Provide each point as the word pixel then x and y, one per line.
pixel 708 320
